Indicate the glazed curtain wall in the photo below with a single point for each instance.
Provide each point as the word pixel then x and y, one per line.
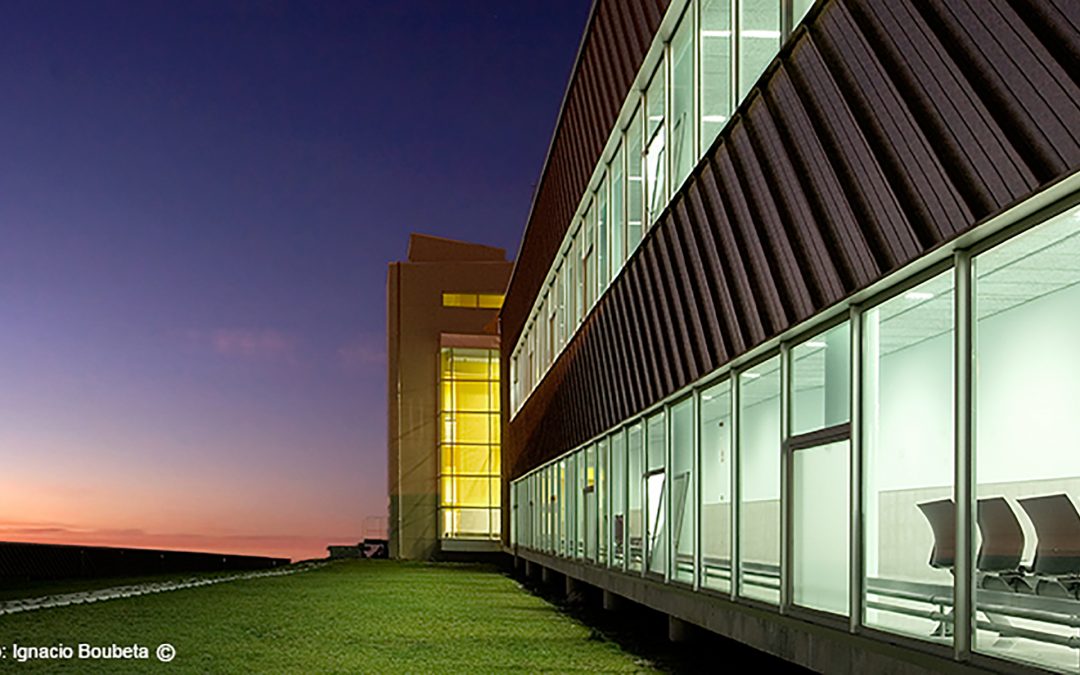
pixel 883 130
pixel 469 466
pixel 687 99
pixel 866 413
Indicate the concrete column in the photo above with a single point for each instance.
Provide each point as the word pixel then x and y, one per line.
pixel 678 630
pixel 571 585
pixel 529 571
pixel 545 575
pixel 612 602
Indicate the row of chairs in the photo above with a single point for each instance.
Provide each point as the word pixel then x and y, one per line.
pixel 1055 570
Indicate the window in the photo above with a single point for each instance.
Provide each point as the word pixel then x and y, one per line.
pixel 1027 431
pixel 683 152
pixel 716 487
pixel 821 405
pixel 603 488
pixel 603 240
pixel 759 40
pixel 588 261
pixel 590 499
pixel 655 484
pixel 655 159
pixel 618 498
pixel 799 10
pixel 473 300
pixel 635 186
pixel 469 492
pixel 618 216
pixel 759 482
pixel 683 497
pixel 908 459
pixel 716 78
pixel 635 517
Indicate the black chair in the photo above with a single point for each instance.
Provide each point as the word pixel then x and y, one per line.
pixel 998 561
pixel 941 515
pixel 1057 555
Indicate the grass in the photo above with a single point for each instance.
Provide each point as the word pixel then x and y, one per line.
pixel 355 616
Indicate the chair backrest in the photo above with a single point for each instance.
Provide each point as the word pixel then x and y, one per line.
pixel 1002 537
pixel 1057 524
pixel 941 515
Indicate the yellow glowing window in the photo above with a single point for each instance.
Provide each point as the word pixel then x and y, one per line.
pixel 469 462
pixel 490 300
pixel 473 300
pixel 459 300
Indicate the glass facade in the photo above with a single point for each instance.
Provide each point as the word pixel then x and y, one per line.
pixel 469 492
pixel 873 386
pixel 682 99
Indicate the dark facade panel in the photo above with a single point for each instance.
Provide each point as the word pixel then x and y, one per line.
pixel 885 128
pixel 617 38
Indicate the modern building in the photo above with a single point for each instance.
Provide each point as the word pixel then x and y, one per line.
pixel 443 397
pixel 793 337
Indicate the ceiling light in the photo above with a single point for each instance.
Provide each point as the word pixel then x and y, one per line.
pixel 716 33
pixel 918 295
pixel 816 344
pixel 713 118
pixel 751 376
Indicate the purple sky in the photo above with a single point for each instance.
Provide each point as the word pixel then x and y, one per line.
pixel 197 204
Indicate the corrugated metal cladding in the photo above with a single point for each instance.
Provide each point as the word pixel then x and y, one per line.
pixel 887 127
pixel 617 38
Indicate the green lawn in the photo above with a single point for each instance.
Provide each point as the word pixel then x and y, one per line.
pixel 362 616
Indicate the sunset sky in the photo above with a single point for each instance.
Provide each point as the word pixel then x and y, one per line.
pixel 197 204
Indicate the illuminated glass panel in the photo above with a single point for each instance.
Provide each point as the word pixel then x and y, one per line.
pixel 469 492
pixel 759 482
pixel 683 155
pixel 655 156
pixel 716 78
pixel 473 300
pixel 1027 432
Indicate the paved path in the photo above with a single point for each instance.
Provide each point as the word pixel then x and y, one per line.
pixel 117 592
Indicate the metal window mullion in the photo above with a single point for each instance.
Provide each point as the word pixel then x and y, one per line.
pixel 695 101
pixel 787 20
pixel 669 535
pixel 963 611
pixel 736 29
pixel 855 532
pixel 669 100
pixel 786 491
pixel 623 434
pixel 695 463
pixel 736 486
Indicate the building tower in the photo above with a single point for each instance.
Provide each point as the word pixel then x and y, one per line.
pixel 443 397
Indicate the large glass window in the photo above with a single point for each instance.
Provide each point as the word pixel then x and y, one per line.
pixel 655 159
pixel 715 68
pixel 683 484
pixel 821 381
pixel 603 239
pixel 759 40
pixel 635 185
pixel 655 484
pixel 603 487
pixel 469 492
pixel 759 482
pixel 1027 437
pixel 683 153
pixel 588 260
pixel 618 215
pixel 618 498
pixel 635 517
pixel 821 402
pixel 716 487
pixel 590 500
pixel 908 510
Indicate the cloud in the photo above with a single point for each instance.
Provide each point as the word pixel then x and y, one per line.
pixel 269 345
pixel 295 546
pixel 363 353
